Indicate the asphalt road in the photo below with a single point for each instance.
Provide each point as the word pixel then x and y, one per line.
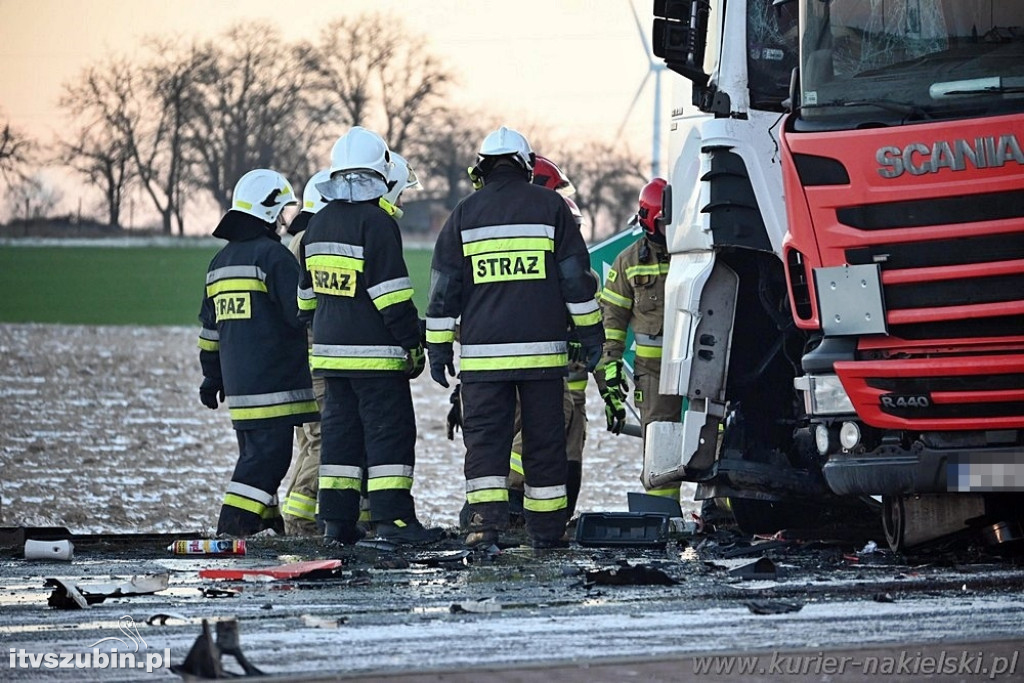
pixel 520 614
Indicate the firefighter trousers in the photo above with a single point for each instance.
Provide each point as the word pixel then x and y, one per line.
pixel 299 507
pixel 367 428
pixel 488 424
pixel 250 502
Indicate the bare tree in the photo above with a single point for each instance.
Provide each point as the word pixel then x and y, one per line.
pixel 248 110
pixel 98 149
pixel 372 71
pixel 445 150
pixel 16 152
pixel 163 100
pixel 34 197
pixel 608 180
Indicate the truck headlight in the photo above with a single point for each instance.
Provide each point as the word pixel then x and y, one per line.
pixel 823 395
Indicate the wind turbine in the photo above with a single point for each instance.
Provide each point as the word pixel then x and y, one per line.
pixel 656 68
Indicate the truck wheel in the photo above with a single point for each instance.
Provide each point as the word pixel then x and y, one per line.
pixel 894 522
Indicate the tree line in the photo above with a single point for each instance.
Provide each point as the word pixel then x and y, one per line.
pixel 181 121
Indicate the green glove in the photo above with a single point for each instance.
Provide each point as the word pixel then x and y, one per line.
pixel 615 379
pixel 614 411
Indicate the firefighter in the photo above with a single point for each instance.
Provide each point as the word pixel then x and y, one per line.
pixel 511 265
pixel 574 403
pixel 367 346
pixel 253 350
pixel 634 296
pixel 299 508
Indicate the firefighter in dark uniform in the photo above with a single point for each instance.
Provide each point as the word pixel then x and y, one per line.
pixel 253 350
pixel 367 345
pixel 634 297
pixel 511 265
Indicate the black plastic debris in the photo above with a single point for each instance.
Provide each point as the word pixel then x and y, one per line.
pixel 622 529
pixel 762 569
pixel 659 505
pixel 629 575
pixel 773 606
pixel 883 597
pixel 211 592
pixel 204 660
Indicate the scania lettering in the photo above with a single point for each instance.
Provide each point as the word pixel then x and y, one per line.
pixel 959 155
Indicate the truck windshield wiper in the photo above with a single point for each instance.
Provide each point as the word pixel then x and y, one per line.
pixel 976 86
pixel 888 105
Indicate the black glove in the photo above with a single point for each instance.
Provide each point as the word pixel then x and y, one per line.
pixel 209 391
pixel 415 361
pixel 442 358
pixel 576 352
pixel 592 356
pixel 455 414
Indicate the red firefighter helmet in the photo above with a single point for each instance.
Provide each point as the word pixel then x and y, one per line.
pixel 546 173
pixel 649 212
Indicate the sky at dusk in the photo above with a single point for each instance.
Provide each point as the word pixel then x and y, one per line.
pixel 569 65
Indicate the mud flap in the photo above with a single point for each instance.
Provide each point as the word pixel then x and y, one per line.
pixel 701 295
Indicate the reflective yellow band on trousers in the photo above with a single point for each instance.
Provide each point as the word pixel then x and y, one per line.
pixel 389 477
pixel 648 351
pixel 515 462
pixel 487 496
pixel 554 360
pixel 273 411
pixel 247 504
pixel 300 505
pixel 548 505
pixel 340 483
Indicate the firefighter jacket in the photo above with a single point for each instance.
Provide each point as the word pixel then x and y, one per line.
pixel 634 295
pixel 252 339
pixel 356 286
pixel 511 265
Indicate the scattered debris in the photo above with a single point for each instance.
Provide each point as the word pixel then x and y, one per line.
pixel 161 618
pixel 762 569
pixel 883 597
pixel 316 621
pixel 755 548
pixel 629 575
pixel 67 596
pixel 208 546
pixel 63 551
pixel 457 559
pixel 622 529
pixel 313 569
pixel 773 606
pixel 210 592
pixel 204 659
pixel 868 548
pixel 482 606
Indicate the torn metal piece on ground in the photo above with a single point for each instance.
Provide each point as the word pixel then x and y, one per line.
pixel 434 560
pixel 773 606
pixel 66 596
pixel 762 569
pixel 629 575
pixel 483 606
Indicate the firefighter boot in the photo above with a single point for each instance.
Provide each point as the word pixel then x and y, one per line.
pixel 341 533
pixel 401 532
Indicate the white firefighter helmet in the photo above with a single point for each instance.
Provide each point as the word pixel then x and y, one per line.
pixel 507 142
pixel 402 178
pixel 361 149
pixel 262 193
pixel 312 200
